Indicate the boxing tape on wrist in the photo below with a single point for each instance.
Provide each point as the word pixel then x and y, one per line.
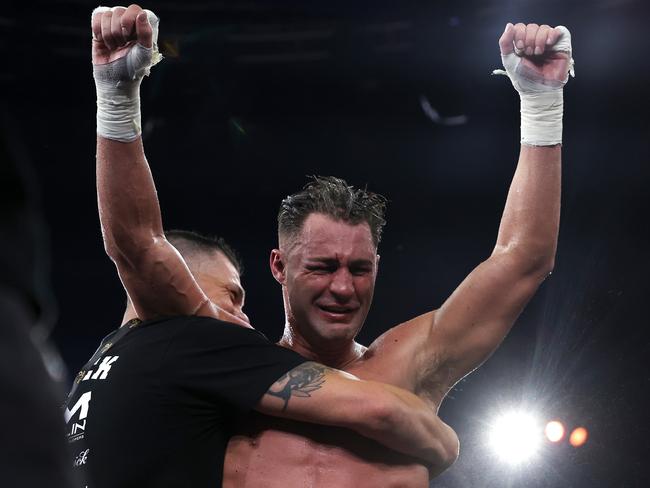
pixel 542 100
pixel 118 87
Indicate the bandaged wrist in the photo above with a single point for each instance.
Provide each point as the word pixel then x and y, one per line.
pixel 118 104
pixel 541 118
pixel 118 87
pixel 542 98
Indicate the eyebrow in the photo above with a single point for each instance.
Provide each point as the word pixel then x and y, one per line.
pixel 333 261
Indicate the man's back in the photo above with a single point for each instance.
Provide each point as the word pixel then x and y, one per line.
pixel 154 408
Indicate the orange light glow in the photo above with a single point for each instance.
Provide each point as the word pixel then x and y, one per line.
pixel 578 437
pixel 554 431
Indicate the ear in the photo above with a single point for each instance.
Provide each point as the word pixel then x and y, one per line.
pixel 278 268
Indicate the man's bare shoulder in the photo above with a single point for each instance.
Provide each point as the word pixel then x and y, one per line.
pixel 404 335
pixel 399 355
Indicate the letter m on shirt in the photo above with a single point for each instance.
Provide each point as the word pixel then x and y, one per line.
pixel 81 406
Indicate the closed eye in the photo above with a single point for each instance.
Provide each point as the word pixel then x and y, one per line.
pixel 321 269
pixel 236 295
pixel 360 271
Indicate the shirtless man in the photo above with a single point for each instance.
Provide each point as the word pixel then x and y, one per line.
pixel 327 267
pixel 327 263
pixel 166 388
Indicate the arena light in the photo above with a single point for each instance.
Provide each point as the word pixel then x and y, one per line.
pixel 578 437
pixel 515 437
pixel 554 431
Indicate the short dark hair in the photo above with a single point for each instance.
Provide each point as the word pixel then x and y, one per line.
pixel 337 199
pixel 189 243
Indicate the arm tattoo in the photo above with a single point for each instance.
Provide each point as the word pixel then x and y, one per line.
pixel 300 382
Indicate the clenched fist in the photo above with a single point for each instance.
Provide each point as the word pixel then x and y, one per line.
pixel 116 30
pixel 123 51
pixel 538 60
pixel 544 53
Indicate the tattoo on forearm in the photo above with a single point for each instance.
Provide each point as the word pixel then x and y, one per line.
pixel 300 382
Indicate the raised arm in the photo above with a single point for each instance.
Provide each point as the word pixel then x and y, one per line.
pixel 474 320
pixel 394 417
pixel 153 273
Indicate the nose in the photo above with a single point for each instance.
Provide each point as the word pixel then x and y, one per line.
pixel 341 284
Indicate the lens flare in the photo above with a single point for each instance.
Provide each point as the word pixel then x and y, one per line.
pixel 554 431
pixel 578 437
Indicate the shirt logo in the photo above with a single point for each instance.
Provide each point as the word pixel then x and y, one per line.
pixel 77 428
pixel 82 406
pixel 81 459
pixel 103 369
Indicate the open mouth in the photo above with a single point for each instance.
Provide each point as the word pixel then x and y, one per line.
pixel 337 311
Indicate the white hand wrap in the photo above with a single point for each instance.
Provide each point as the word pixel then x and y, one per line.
pixel 118 87
pixel 542 101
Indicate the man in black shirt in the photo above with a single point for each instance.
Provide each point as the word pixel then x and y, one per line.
pixel 152 406
pixel 154 410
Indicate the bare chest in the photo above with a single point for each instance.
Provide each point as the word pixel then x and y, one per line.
pixel 270 453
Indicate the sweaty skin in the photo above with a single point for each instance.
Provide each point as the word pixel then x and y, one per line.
pixel 271 453
pixel 326 304
pixel 328 281
pixel 284 454
pixel 426 355
pixel 159 282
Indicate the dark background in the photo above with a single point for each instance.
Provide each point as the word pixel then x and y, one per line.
pixel 253 96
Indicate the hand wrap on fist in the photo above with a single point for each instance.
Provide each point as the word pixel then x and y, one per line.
pixel 118 81
pixel 541 96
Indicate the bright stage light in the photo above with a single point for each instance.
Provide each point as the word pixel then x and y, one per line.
pixel 554 431
pixel 515 437
pixel 578 437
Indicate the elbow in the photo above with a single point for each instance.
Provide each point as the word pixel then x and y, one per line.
pixel 537 261
pixel 549 266
pixel 540 264
pixel 423 435
pixel 444 452
pixel 449 448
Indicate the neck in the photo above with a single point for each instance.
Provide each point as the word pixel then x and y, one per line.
pixel 129 314
pixel 336 354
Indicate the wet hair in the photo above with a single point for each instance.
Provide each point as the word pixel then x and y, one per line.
pixel 191 244
pixel 335 198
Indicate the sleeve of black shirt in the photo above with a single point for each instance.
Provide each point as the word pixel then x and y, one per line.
pixel 223 362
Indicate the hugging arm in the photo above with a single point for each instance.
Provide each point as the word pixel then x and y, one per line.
pixel 389 415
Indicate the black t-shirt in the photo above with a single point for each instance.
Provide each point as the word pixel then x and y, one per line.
pixel 155 408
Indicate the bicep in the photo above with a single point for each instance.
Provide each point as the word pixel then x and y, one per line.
pixel 159 283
